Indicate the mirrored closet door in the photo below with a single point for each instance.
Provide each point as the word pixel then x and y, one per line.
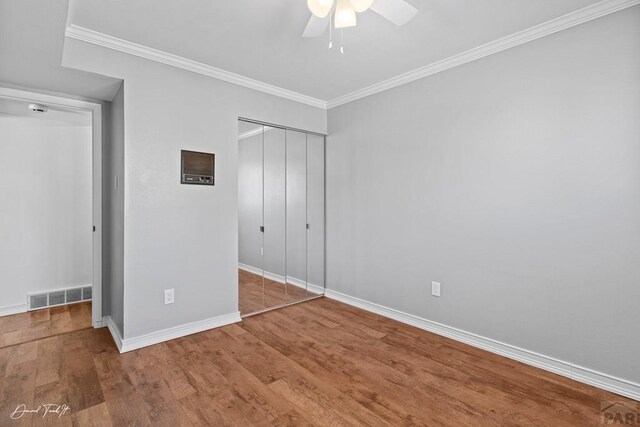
pixel 281 216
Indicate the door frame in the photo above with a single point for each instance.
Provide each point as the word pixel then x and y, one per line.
pixel 95 108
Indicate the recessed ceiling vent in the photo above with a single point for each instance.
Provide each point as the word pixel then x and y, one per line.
pixel 59 297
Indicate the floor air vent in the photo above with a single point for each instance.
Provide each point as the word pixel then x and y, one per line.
pixel 59 297
pixel 38 301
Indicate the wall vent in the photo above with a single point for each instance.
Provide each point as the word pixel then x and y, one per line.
pixel 59 297
pixel 74 295
pixel 56 298
pixel 38 301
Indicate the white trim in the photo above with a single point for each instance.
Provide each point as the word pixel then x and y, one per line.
pixel 68 288
pixel 163 335
pixel 267 275
pixel 115 332
pixel 8 85
pixel 254 132
pixel 566 369
pixel 310 287
pixel 13 309
pixel 96 113
pixel 571 19
pixel 560 23
pixel 100 323
pixel 316 289
pixel 125 46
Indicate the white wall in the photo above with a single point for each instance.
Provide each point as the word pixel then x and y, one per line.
pixel 45 214
pixel 513 180
pixel 181 236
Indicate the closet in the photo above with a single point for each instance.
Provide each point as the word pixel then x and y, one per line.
pixel 281 216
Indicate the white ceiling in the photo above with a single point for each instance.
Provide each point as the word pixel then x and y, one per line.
pixel 31 41
pixel 262 39
pixel 53 117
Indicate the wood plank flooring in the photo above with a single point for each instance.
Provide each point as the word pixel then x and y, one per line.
pixel 33 325
pixel 251 288
pixel 318 363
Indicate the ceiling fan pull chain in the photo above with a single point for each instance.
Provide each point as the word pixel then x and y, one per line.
pixel 342 41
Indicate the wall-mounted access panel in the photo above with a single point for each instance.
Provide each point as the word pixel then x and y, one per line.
pixel 197 168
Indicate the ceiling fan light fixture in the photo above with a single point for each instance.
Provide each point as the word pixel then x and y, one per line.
pixel 320 8
pixel 345 15
pixel 361 5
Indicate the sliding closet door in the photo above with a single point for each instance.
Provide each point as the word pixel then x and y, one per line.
pixel 281 216
pixel 250 218
pixel 296 215
pixel 274 208
pixel 315 214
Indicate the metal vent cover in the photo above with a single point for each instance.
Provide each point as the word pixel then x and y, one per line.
pixel 59 297
pixel 38 301
pixel 56 298
pixel 74 295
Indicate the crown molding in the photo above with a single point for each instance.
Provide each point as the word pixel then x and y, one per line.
pixel 563 22
pixel 560 23
pixel 96 38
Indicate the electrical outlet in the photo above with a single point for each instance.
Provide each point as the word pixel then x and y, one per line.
pixel 435 289
pixel 168 296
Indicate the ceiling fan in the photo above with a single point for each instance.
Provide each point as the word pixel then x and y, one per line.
pixel 343 13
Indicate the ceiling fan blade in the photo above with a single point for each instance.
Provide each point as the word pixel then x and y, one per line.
pixel 397 11
pixel 316 26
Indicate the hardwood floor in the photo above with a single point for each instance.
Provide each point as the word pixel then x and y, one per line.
pixel 25 327
pixel 317 363
pixel 250 293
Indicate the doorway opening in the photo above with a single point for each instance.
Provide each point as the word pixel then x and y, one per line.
pixel 51 215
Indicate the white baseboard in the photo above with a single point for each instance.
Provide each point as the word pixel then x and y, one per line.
pixel 115 332
pixel 319 290
pixel 316 289
pixel 566 369
pixel 100 323
pixel 13 309
pixel 163 335
pixel 254 270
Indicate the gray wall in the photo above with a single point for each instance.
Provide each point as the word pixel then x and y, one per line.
pixel 514 181
pixel 114 201
pixel 106 208
pixel 177 236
